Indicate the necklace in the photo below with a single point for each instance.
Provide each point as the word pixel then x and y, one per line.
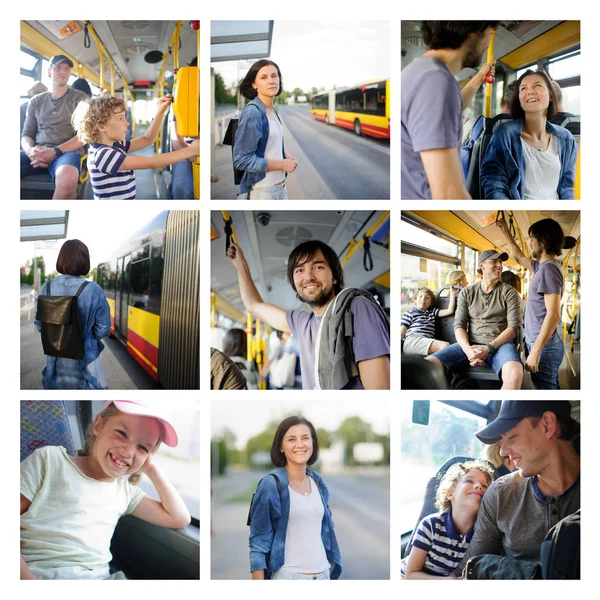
pixel 299 487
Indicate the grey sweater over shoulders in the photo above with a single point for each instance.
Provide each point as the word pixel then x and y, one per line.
pixel 514 518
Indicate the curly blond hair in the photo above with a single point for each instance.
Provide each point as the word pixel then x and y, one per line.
pixel 90 438
pixel 454 476
pixel 94 113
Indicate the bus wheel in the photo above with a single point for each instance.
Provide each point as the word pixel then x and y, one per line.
pixel 357 127
pixel 326 119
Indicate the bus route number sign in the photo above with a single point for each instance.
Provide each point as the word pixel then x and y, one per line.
pixel 420 414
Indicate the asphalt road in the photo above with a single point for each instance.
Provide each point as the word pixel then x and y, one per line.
pixel 360 503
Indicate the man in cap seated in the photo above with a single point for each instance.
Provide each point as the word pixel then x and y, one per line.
pixel 518 509
pixel 487 320
pixel 48 140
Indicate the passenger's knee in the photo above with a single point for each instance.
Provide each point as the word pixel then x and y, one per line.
pixel 444 344
pixel 512 370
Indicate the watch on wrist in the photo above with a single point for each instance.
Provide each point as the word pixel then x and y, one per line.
pixel 57 152
pixel 491 349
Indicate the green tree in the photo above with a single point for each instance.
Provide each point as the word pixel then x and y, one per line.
pixel 221 95
pixel 27 276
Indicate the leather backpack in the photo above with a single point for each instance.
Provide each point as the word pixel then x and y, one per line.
pixel 62 334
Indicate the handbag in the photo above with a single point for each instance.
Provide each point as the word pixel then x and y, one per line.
pixel 229 140
pixel 62 334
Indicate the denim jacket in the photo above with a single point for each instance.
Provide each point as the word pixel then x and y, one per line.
pixel 250 144
pixel 269 520
pixel 503 166
pixel 95 322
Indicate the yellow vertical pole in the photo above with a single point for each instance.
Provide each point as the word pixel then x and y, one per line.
pixel 213 309
pixel 488 88
pixel 248 336
pixel 196 169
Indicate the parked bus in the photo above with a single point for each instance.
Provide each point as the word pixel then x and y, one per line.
pixel 363 108
pixel 437 243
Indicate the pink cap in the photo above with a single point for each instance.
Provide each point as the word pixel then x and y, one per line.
pixel 133 407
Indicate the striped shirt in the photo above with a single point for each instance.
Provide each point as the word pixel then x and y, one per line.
pixel 108 182
pixel 445 545
pixel 419 322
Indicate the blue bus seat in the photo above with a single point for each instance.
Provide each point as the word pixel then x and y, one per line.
pixel 44 423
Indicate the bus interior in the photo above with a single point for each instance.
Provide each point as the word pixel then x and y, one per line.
pixel 267 238
pixel 435 435
pixel 139 61
pixel 516 46
pixel 434 243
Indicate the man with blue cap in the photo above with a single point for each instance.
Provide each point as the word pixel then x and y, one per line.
pixel 518 509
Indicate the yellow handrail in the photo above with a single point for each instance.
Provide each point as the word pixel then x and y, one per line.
pixel 354 245
pixel 174 43
pixel 249 337
pixel 233 234
pixel 488 88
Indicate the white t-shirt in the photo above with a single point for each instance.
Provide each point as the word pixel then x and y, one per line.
pixel 304 550
pixel 66 532
pixel 542 171
pixel 273 151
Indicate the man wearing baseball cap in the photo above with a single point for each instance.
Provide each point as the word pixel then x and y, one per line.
pixel 487 319
pixel 518 509
pixel 48 142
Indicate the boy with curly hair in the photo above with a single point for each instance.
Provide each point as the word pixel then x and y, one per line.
pixel 101 122
pixel 442 539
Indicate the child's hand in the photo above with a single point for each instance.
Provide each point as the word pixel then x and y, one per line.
pixel 163 103
pixel 149 465
pixel 195 148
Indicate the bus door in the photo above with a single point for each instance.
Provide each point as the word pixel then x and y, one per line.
pixel 332 108
pixel 122 299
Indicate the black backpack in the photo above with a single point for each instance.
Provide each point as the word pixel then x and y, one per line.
pixel 62 335
pixel 560 552
pixel 252 501
pixel 229 140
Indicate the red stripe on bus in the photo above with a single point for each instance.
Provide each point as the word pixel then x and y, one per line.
pixel 146 349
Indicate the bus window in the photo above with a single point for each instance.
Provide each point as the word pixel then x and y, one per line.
pixel 450 432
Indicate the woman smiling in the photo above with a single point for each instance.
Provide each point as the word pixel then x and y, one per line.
pixel 530 158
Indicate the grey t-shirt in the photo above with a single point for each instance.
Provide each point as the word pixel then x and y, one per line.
pixel 514 518
pixel 547 279
pixel 48 121
pixel 431 118
pixel 371 338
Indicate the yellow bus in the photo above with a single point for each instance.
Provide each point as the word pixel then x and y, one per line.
pixel 364 108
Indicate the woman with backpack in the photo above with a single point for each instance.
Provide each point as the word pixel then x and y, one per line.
pixel 291 528
pixel 259 149
pixel 235 345
pixel 83 370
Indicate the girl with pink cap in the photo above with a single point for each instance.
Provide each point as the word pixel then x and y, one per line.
pixel 70 505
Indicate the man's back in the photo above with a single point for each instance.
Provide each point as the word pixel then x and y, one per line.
pixel 431 119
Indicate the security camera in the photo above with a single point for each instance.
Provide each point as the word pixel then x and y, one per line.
pixel 263 218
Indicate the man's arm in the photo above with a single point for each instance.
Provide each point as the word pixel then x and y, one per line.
pixel 25 572
pixel 513 248
pixel 444 174
pixel 469 91
pixel 549 325
pixel 375 373
pixel 268 313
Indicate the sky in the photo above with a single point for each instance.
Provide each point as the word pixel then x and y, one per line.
pixel 100 228
pixel 324 54
pixel 243 418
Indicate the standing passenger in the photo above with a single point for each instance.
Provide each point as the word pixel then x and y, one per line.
pixel 432 106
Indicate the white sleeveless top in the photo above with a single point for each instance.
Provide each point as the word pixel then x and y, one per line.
pixel 542 171
pixel 304 550
pixel 273 151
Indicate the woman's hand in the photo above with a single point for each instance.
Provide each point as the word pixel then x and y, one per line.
pixel 289 165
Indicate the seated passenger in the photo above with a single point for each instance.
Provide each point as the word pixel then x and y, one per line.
pixel 83 86
pixel 442 539
pixel 503 464
pixel 348 339
pixel 37 88
pixel 235 346
pixel 224 375
pixel 101 122
pixel 530 158
pixel 490 312
pixel 48 142
pixel 417 329
pixel 507 99
pixel 511 279
pixel 561 113
pixel 455 278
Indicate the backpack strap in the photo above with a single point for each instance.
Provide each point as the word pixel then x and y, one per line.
pixel 81 288
pixel 277 482
pixel 48 289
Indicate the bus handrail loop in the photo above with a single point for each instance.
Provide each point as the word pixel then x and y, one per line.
pixel 367 258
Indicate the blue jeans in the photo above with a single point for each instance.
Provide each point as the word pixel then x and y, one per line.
pixel 68 158
pixel 550 359
pixel 182 183
pixel 455 360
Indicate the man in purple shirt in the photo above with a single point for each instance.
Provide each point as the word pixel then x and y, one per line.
pixel 542 314
pixel 432 106
pixel 316 275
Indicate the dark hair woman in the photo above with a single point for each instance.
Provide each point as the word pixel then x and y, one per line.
pixel 235 345
pixel 86 373
pixel 291 528
pixel 259 149
pixel 530 158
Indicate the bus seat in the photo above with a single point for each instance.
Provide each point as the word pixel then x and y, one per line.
pixel 473 181
pixel 186 94
pixel 572 124
pixel 37 187
pixel 420 374
pixel 44 423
